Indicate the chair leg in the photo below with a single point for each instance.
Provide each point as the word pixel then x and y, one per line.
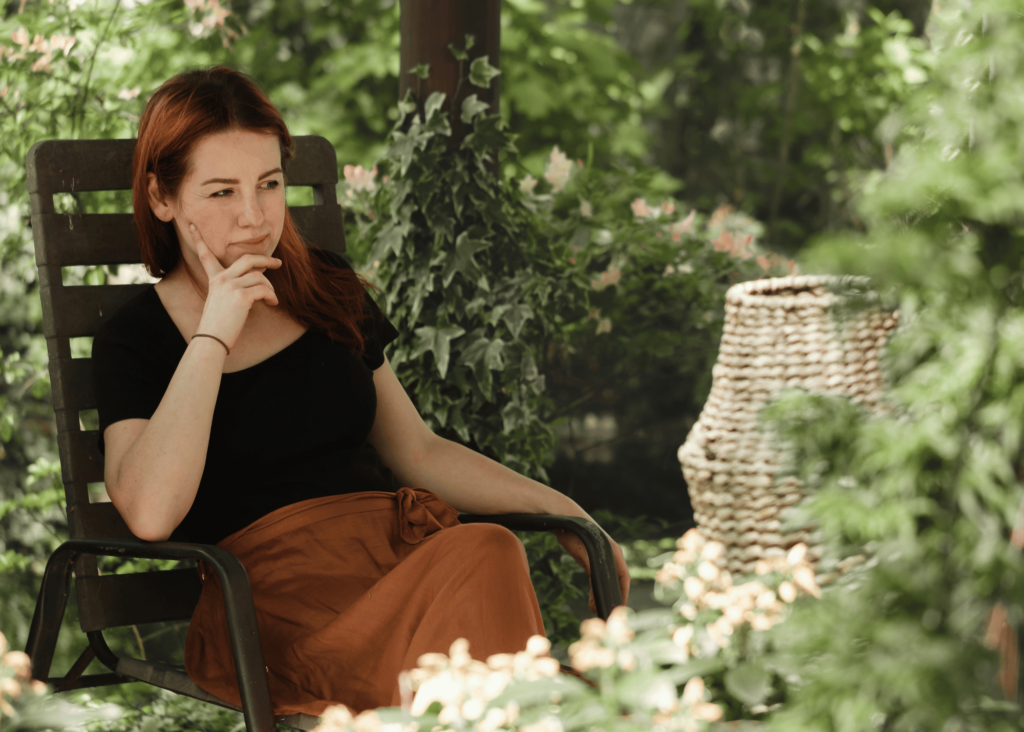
pixel 253 685
pixel 49 613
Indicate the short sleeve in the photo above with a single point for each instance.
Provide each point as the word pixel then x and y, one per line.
pixel 129 379
pixel 375 326
pixel 379 332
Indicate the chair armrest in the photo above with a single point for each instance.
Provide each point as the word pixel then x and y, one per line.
pixel 243 630
pixel 603 575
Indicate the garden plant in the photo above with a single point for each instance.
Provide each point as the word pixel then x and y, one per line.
pixel 513 258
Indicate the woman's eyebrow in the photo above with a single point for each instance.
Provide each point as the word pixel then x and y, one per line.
pixel 234 181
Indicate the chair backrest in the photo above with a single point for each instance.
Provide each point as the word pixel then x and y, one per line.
pixel 91 239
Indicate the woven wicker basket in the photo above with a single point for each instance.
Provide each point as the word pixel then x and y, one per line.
pixel 778 333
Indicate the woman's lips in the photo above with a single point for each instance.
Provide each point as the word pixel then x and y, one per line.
pixel 250 242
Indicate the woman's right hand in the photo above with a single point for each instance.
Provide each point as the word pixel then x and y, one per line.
pixel 232 290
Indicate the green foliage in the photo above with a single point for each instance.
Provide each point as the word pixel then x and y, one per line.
pixel 930 489
pixel 490 280
pixel 778 107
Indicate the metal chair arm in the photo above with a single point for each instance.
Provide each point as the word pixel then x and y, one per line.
pixel 603 575
pixel 243 630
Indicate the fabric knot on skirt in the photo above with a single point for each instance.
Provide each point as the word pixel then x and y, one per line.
pixel 421 514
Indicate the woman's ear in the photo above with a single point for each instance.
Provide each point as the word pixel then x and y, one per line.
pixel 160 207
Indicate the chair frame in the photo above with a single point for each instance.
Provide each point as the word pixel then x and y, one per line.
pixel 96 529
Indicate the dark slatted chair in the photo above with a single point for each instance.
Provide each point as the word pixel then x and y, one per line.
pixel 96 529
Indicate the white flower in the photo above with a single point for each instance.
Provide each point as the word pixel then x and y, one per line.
pixel 127 94
pixel 558 170
pixel 604 326
pixel 787 591
pixel 527 184
pixel 586 210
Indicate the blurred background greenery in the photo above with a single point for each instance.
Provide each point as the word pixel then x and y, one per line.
pixel 780 109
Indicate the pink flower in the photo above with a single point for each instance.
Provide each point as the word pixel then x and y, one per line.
pixel 360 179
pixel 126 94
pixel 20 37
pixel 720 214
pixel 682 227
pixel 640 208
pixel 61 42
pixel 668 207
pixel 610 276
pixel 724 243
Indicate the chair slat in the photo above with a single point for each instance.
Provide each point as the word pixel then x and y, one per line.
pixel 66 166
pixel 80 457
pixel 315 162
pixel 96 520
pixel 322 226
pixel 116 600
pixel 74 312
pixel 90 239
pixel 71 384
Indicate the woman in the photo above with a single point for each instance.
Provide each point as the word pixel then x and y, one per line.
pixel 245 400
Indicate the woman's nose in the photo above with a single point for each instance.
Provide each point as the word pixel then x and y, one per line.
pixel 251 213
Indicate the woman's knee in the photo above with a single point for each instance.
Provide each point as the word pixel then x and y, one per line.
pixel 498 539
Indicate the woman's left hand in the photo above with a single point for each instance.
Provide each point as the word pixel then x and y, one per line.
pixel 576 548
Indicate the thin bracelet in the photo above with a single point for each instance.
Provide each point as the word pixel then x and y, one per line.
pixel 207 335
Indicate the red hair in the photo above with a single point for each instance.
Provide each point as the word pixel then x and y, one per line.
pixel 184 110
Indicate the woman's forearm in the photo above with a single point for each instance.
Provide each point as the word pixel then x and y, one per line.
pixel 155 482
pixel 473 483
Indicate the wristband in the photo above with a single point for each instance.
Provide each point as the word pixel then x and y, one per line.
pixel 207 335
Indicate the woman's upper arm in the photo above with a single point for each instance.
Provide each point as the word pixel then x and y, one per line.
pixel 399 434
pixel 118 439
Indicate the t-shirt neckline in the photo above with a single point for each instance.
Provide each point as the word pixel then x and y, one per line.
pixel 169 322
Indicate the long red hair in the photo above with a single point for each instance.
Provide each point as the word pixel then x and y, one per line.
pixel 184 110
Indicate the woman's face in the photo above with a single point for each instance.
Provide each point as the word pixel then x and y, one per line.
pixel 234 194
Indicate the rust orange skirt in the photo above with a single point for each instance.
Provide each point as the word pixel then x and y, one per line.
pixel 350 590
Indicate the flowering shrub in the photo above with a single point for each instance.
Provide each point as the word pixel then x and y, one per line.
pixel 679 668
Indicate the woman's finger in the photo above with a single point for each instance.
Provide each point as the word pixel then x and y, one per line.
pixel 206 258
pixel 249 262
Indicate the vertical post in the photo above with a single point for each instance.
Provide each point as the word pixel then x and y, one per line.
pixel 427 27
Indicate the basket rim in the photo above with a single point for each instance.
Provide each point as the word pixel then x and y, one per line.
pixel 790 286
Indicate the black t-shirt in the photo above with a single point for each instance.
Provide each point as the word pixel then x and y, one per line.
pixel 287 429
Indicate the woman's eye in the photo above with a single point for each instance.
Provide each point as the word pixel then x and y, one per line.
pixel 221 194
pixel 272 184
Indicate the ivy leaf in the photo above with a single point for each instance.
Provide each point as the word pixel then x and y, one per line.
pixel 516 316
pixel 528 366
pixel 470 41
pixel 462 259
pixel 392 235
pixel 749 682
pixel 481 72
pixel 434 102
pixel 514 414
pixel 456 422
pixel 471 107
pixel 437 341
pixel 493 355
pixel 421 70
pixel 457 52
pixel 475 352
